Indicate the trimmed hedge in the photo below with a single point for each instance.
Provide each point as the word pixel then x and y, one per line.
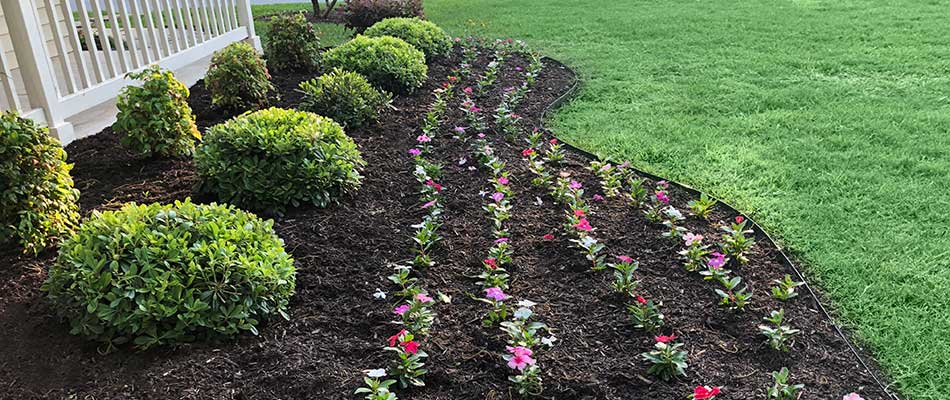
pixel 238 78
pixel 150 275
pixel 292 44
pixel 361 14
pixel 423 35
pixel 156 117
pixel 346 97
pixel 387 62
pixel 274 158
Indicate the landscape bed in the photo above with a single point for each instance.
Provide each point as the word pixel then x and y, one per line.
pixel 344 253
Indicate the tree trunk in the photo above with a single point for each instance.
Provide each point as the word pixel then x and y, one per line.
pixel 316 7
pixel 330 5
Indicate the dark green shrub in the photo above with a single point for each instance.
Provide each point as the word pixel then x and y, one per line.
pixel 269 159
pixel 37 199
pixel 160 274
pixel 423 35
pixel 238 78
pixel 292 44
pixel 156 117
pixel 346 97
pixel 387 62
pixel 361 14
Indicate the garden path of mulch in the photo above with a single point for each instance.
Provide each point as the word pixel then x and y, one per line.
pixel 343 254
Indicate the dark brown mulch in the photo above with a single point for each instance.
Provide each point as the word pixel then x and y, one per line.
pixel 343 254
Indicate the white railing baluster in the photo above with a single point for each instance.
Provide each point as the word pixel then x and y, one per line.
pixel 160 48
pixel 215 17
pixel 170 29
pixel 133 50
pixel 209 18
pixel 73 32
pixel 90 42
pixel 120 46
pixel 9 88
pixel 104 38
pixel 229 6
pixel 190 21
pixel 246 19
pixel 182 28
pixel 222 16
pixel 61 48
pixel 142 31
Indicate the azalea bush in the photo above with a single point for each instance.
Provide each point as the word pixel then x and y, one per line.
pixel 346 97
pixel 238 78
pixel 275 158
pixel 149 275
pixel 155 117
pixel 389 63
pixel 292 44
pixel 361 14
pixel 38 204
pixel 423 35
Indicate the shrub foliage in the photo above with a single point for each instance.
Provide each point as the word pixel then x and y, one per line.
pixel 346 97
pixel 387 62
pixel 156 117
pixel 361 14
pixel 37 198
pixel 161 274
pixel 238 78
pixel 423 35
pixel 274 158
pixel 292 44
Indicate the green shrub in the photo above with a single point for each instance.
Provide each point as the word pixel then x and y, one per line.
pixel 346 97
pixel 238 78
pixel 423 35
pixel 156 117
pixel 292 44
pixel 361 14
pixel 269 159
pixel 160 274
pixel 387 62
pixel 37 199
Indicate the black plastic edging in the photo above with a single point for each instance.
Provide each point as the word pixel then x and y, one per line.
pixel 785 260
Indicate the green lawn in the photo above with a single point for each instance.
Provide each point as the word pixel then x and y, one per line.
pixel 828 121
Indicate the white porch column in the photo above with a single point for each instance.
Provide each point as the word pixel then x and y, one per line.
pixel 35 66
pixel 246 18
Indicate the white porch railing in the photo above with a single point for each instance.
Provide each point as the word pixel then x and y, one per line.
pixel 64 57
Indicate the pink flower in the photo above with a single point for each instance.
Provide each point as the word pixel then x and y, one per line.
pixel 665 339
pixel 641 300
pixel 459 129
pixel 452 78
pixel 598 197
pixel 501 240
pixel 692 238
pixel 705 392
pixel 662 197
pixel 574 185
pixel 481 135
pixel 474 109
pixel 424 298
pixel 625 259
pixel 415 152
pixel 578 212
pixel 553 141
pixel 520 357
pixel 518 69
pixel 468 89
pixel 624 165
pixel 548 236
pixel 429 204
pixel 717 261
pixel 502 180
pixel 606 167
pixel 498 196
pixel 491 263
pixel 527 152
pixel 740 219
pixel 411 346
pixel 852 396
pixel 423 138
pixel 401 309
pixel 395 338
pixel 495 293
pixel 663 184
pixel 584 225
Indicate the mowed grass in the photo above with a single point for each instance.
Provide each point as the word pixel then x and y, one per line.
pixel 827 121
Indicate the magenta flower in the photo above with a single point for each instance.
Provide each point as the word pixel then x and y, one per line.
pixel 625 259
pixel 501 240
pixel 519 69
pixel 502 180
pixel 424 298
pixel 498 196
pixel 459 129
pixel 663 184
pixel 468 89
pixel 520 357
pixel 692 238
pixel 548 236
pixel 401 309
pixel 474 109
pixel 598 197
pixel 717 261
pixel 495 293
pixel 852 396
pixel 429 204
pixel 481 135
pixel 423 138
pixel 415 152
pixel 584 225
pixel 574 185
pixel 662 197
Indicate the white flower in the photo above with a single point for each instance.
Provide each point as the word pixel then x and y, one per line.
pixel 588 241
pixel 523 313
pixel 379 294
pixel 482 193
pixel 548 341
pixel 673 213
pixel 527 303
pixel 462 161
pixel 538 201
pixel 376 373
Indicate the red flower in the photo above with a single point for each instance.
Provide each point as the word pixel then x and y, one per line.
pixel 665 339
pixel 445 85
pixel 548 237
pixel 641 300
pixel 740 219
pixel 434 185
pixel 411 346
pixel 452 78
pixel 527 152
pixel 579 212
pixel 491 263
pixel 705 392
pixel 395 338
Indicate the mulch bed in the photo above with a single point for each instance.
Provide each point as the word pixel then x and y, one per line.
pixel 343 254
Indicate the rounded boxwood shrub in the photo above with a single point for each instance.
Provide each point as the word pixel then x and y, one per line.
pixel 292 44
pixel 361 14
pixel 274 158
pixel 387 62
pixel 423 35
pixel 161 274
pixel 238 78
pixel 156 117
pixel 346 97
pixel 37 198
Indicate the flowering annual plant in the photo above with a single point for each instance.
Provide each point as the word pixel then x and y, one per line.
pixel 554 154
pixel 489 76
pixel 377 389
pixel 408 367
pixel 695 252
pixel 406 282
pixel 493 274
pixel 671 218
pixel 784 289
pixel 537 167
pixel 779 335
pixel 658 201
pixel 780 389
pixel 496 298
pixel 735 243
pixel 852 396
pixel 611 177
pixel 506 120
pixel 705 393
pixel 425 239
pixel 522 336
pixel 623 275
pixel 637 192
pixel 732 298
pixel 521 331
pixel 417 314
pixel 645 314
pixel 703 206
pixel 534 68
pixel 527 381
pixel 715 270
pixel 500 210
pixel 473 116
pixel 666 359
